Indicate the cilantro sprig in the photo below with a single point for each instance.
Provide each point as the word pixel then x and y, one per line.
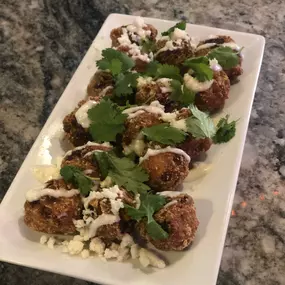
pixel 158 70
pixel 181 25
pixel 200 66
pixel 226 57
pixel 119 65
pixel 125 82
pixel 115 61
pixel 150 203
pixel 107 121
pixel 74 175
pixel 123 172
pixel 225 130
pixel 165 134
pixel 181 94
pixel 200 125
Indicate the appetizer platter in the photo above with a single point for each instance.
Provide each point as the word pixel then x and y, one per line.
pixel 137 165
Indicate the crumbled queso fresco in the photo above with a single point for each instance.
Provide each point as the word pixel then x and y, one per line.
pixel 86 244
pixel 126 250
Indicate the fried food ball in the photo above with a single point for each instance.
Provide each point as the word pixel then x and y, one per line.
pixel 195 147
pixel 166 170
pixel 179 219
pixel 54 215
pixel 74 132
pixel 192 146
pixel 133 36
pixel 177 56
pixel 233 72
pixel 213 99
pixel 115 231
pixel 100 85
pixel 134 125
pixel 149 90
pixel 83 159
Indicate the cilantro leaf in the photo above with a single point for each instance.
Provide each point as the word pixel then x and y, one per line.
pixel 155 230
pixel 115 61
pixel 181 25
pixel 201 68
pixel 106 121
pixel 157 70
pixel 150 203
pixel 74 175
pixel 181 93
pixel 102 160
pixel 165 134
pixel 226 57
pixel 200 125
pixel 148 46
pixel 225 130
pixel 125 83
pixel 123 172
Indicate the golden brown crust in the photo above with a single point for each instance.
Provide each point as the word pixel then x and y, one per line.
pixel 135 125
pixel 54 215
pixel 98 85
pixel 195 147
pixel 103 206
pixel 150 92
pixel 166 171
pixel 116 33
pixel 174 57
pixel 179 220
pixel 213 99
pixel 232 73
pixel 74 132
pixel 83 159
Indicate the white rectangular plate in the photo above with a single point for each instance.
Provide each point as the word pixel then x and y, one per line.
pixel 213 194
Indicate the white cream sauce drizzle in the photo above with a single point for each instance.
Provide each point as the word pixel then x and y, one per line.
pixel 170 203
pixel 35 194
pixel 68 153
pixel 195 85
pixel 200 170
pixel 231 45
pixel 205 46
pixel 104 219
pixel 151 152
pixel 170 194
pixel 81 114
pixel 155 107
pixel 177 37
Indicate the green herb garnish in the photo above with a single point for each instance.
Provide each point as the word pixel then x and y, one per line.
pixel 225 131
pixel 123 172
pixel 165 134
pixel 74 175
pixel 149 205
pixel 180 93
pixel 107 121
pixel 226 57
pixel 115 61
pixel 125 82
pixel 201 68
pixel 181 25
pixel 157 70
pixel 200 125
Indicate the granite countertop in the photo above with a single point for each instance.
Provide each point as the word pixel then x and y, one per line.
pixel 43 41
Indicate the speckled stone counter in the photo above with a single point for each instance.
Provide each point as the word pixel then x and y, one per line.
pixel 43 41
